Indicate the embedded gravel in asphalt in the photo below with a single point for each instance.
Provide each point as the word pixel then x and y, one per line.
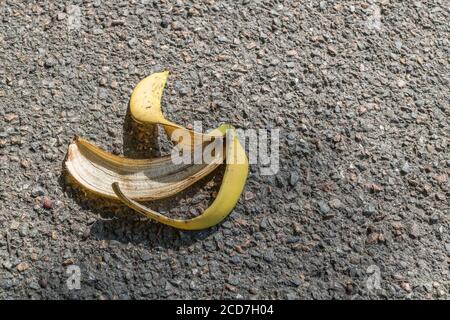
pixel 359 91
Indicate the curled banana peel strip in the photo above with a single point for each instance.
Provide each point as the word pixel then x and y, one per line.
pixel 145 108
pixel 132 180
pixel 232 185
pixel 142 179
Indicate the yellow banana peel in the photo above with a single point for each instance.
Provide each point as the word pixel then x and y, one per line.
pixel 132 180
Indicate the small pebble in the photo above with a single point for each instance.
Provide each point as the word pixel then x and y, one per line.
pixel 248 195
pixel 235 259
pixel 43 282
pixel 22 266
pixel 370 210
pixel 133 42
pixel 401 83
pixel 146 257
pixel 332 50
pixel 37 192
pixel 68 262
pixel 414 231
pixel 447 247
pixel 233 280
pixel 405 169
pixel 324 207
pixel 336 203
pixel 50 62
pixel 47 204
pixel 164 23
pixel 406 286
pixel 294 179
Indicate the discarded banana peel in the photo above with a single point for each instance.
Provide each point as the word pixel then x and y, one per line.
pixel 129 180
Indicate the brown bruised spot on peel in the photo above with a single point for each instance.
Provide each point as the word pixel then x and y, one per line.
pixel 75 138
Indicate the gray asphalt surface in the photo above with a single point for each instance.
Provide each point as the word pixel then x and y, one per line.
pixel 358 89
